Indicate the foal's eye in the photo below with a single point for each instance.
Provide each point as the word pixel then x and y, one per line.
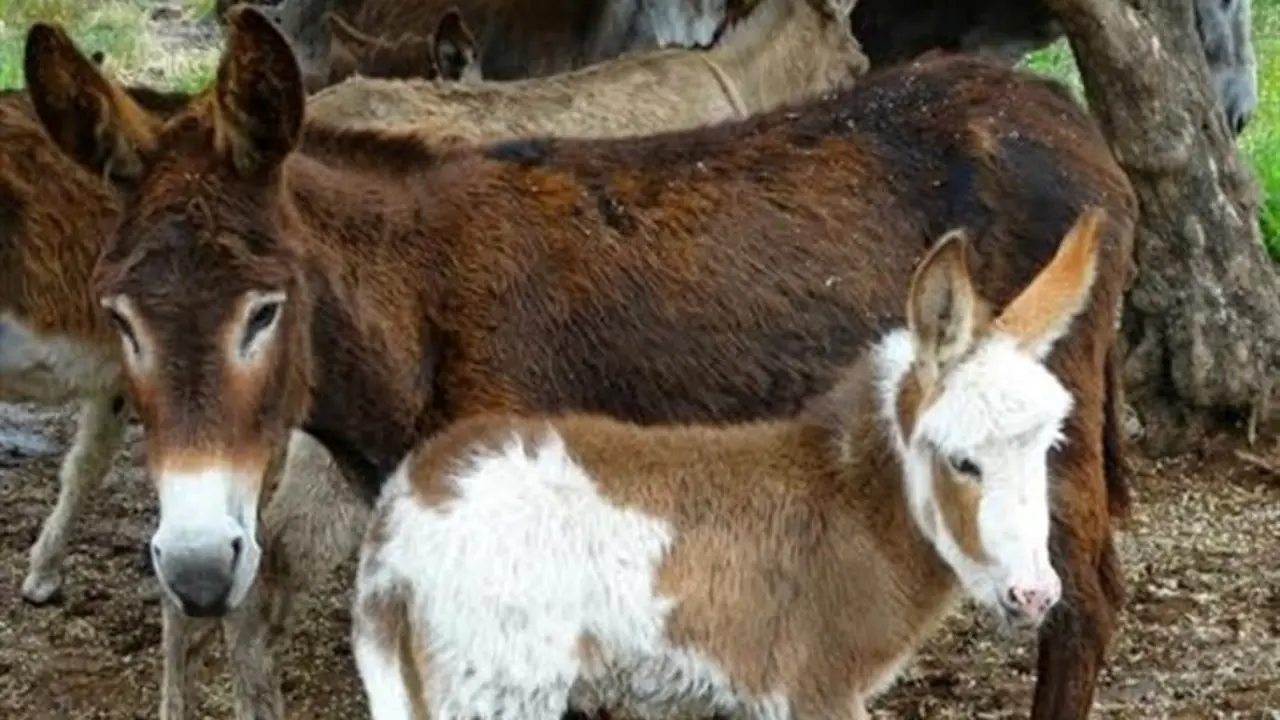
pixel 259 320
pixel 965 466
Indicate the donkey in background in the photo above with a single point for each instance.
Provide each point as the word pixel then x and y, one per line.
pixel 522 38
pixel 783 52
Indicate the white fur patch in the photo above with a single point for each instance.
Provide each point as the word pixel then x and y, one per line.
pixel 384 687
pixel 511 575
pixel 1002 410
pixel 200 515
pixel 997 396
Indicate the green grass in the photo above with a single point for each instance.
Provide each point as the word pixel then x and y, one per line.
pixel 1261 139
pixel 136 45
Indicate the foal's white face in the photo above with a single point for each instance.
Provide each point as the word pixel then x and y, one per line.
pixel 975 413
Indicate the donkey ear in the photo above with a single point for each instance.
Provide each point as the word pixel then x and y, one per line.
pixel 942 307
pixel 87 116
pixel 455 47
pixel 1042 313
pixel 259 93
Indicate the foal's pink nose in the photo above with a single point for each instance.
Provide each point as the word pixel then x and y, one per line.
pixel 1031 601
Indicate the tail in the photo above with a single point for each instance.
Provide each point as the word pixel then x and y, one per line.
pixel 1119 498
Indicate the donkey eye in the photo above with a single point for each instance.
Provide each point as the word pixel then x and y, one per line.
pixel 260 320
pixel 965 466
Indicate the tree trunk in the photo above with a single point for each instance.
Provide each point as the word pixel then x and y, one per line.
pixel 1202 319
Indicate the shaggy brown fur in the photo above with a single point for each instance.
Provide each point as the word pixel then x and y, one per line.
pixel 784 52
pixel 722 273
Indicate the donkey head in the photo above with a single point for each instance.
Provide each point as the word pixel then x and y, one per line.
pixel 975 412
pixel 204 283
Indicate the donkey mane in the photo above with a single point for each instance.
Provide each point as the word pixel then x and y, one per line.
pixel 395 151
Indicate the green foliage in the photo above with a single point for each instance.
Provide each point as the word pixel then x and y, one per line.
pixel 1261 139
pixel 123 30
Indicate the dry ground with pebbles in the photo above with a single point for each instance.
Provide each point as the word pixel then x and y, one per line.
pixel 1200 639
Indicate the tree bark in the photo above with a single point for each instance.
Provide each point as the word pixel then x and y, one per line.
pixel 1202 319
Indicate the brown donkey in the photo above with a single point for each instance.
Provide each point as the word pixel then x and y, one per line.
pixel 782 569
pixel 783 52
pixel 55 345
pixel 370 289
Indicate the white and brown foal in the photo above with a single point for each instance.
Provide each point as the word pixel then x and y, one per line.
pixel 517 567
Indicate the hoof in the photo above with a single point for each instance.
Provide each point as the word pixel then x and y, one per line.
pixel 41 590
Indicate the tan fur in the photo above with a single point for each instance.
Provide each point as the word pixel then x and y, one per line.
pixel 1031 316
pixel 784 51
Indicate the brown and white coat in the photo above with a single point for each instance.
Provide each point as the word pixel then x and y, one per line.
pixel 520 567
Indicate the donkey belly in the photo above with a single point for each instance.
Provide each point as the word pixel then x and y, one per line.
pixel 657 683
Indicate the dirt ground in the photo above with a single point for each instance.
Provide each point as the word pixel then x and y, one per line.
pixel 1201 637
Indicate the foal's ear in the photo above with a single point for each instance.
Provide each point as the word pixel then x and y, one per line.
pixel 455 48
pixel 942 306
pixel 259 93
pixel 1043 311
pixel 90 119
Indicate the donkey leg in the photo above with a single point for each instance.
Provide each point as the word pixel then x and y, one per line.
pixel 313 522
pixel 182 639
pixel 250 635
pixel 379 665
pixel 1077 634
pixel 99 430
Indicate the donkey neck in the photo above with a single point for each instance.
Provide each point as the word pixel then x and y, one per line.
pixel 374 343
pixel 902 588
pixel 763 57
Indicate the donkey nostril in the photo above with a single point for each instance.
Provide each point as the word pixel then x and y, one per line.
pixel 236 546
